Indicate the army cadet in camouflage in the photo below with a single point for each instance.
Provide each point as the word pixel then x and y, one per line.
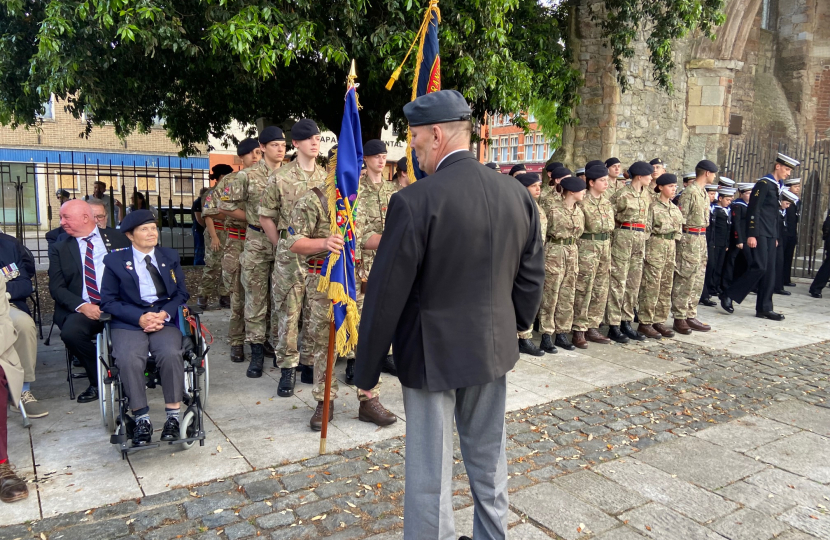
pixel 401 174
pixel 372 201
pixel 309 235
pixel 594 247
pixel 258 257
pixel 214 233
pixel 235 226
pixel 565 225
pixel 690 269
pixel 553 193
pixel 665 223
pixel 285 187
pixel 627 249
pixel 534 185
pixel 616 180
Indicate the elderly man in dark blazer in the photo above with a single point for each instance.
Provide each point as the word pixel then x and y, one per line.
pixel 76 268
pixel 143 288
pixel 458 272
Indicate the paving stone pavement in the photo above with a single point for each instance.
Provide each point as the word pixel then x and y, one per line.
pixel 733 447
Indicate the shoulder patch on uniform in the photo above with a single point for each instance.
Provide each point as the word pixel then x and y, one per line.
pixel 291 230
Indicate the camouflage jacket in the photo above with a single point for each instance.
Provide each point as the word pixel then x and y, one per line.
pixel 543 221
pixel 215 198
pixel 372 202
pixel 598 212
pixel 564 222
pixel 246 190
pixel 613 187
pixel 694 205
pixel 664 218
pixel 285 187
pixel 630 206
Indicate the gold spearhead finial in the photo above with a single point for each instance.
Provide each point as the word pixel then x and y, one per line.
pixel 353 71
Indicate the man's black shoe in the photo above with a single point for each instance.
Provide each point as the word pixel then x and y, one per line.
pixel 815 294
pixel 771 315
pixel 790 284
pixel 143 432
pixel 257 358
pixel 307 374
pixel 388 366
pixel 170 431
pixel 288 377
pixel 726 304
pixel 626 328
pixel 615 334
pixel 707 301
pixel 526 346
pixel 563 342
pixel 90 394
pixel 350 371
pixel 547 344
pixel 782 292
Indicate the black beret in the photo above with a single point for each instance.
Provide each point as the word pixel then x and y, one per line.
pixel 402 165
pixel 219 170
pixel 374 147
pixel 135 219
pixel 271 133
pixel 656 161
pixel 560 172
pixel 666 178
pixel 596 171
pixel 707 165
pixel 640 168
pixel 553 165
pixel 304 129
pixel 593 163
pixel 246 146
pixel 437 108
pixel 528 179
pixel 491 165
pixel 611 161
pixel 516 168
pixel 572 183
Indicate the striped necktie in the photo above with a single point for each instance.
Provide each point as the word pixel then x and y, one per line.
pixel 89 273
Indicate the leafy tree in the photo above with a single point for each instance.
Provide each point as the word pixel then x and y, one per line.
pixel 202 63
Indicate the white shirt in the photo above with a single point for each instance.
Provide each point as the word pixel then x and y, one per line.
pixel 145 280
pixel 99 251
pixel 448 155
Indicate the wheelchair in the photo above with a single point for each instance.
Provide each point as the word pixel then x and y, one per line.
pixel 115 411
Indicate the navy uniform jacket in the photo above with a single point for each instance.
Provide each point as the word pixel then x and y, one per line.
pixel 764 209
pixel 66 271
pixel 20 287
pixel 459 270
pixel 738 209
pixel 792 217
pixel 120 294
pixel 722 227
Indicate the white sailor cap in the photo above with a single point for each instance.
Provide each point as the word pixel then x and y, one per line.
pixel 711 187
pixel 689 176
pixel 726 192
pixel 724 181
pixel 787 195
pixel 745 186
pixel 792 181
pixel 580 170
pixel 787 160
pixel 620 176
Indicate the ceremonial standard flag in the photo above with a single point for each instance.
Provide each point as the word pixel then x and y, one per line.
pixel 427 73
pixel 337 275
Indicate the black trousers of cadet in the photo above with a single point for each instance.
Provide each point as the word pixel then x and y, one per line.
pixel 735 265
pixel 790 242
pixel 718 255
pixel 779 266
pixel 822 277
pixel 761 272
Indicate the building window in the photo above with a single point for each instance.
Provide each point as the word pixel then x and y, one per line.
pixel 769 12
pixel 111 180
pixel 182 185
pixel 541 148
pixel 67 180
pixel 529 153
pixel 514 148
pixel 504 150
pixel 48 110
pixel 494 149
pixel 146 182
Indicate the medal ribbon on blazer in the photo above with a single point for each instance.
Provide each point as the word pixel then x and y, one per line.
pixel 427 74
pixel 337 278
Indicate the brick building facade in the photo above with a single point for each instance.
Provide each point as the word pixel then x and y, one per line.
pixel 508 145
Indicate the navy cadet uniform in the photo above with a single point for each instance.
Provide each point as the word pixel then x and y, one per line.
pixel 790 241
pixel 737 257
pixel 721 229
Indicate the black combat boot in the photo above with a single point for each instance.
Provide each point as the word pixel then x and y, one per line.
pixel 547 345
pixel 288 377
pixel 563 342
pixel 626 328
pixel 257 359
pixel 526 346
pixel 350 371
pixel 615 334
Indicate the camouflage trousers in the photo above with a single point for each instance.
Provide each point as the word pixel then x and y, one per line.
pixel 316 327
pixel 658 276
pixel 690 271
pixel 527 334
pixel 592 283
pixel 232 278
pixel 212 282
pixel 288 291
pixel 257 262
pixel 557 311
pixel 627 252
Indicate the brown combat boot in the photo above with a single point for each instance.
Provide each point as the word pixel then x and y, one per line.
pixel 224 302
pixel 237 353
pixel 649 331
pixel 316 422
pixel 663 329
pixel 372 411
pixel 578 339
pixel 695 324
pixel 202 302
pixel 681 326
pixel 12 487
pixel 594 335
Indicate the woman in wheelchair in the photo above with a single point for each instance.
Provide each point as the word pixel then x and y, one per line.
pixel 142 290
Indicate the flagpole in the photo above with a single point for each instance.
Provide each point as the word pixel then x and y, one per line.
pixel 327 398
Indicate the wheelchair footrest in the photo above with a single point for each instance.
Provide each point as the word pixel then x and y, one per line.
pixel 200 437
pixel 118 438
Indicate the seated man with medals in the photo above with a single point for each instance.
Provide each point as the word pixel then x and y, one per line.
pixel 142 289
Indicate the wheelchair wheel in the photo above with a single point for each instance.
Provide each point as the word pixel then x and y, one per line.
pixel 106 394
pixel 188 428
